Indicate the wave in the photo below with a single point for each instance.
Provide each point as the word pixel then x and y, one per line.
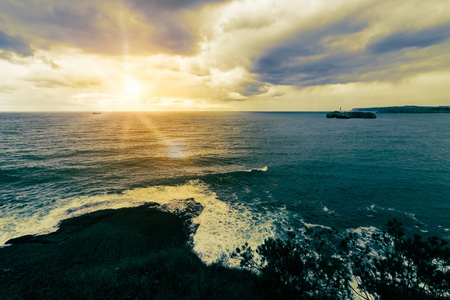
pixel 309 225
pixel 221 226
pixel 263 169
pixel 327 210
pixel 375 208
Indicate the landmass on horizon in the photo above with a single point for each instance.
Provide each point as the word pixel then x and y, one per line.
pixel 405 109
pixel 369 113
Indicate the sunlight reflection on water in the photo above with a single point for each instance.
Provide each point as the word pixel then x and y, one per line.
pixel 176 150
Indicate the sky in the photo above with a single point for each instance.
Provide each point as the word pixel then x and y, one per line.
pixel 231 55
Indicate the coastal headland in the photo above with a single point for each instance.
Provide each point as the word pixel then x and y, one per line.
pixel 130 253
pixel 145 253
pixel 405 109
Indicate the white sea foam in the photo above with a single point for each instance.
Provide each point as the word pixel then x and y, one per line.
pixel 327 210
pixel 222 226
pixel 41 220
pixel 308 225
pixel 364 235
pixel 374 207
pixel 263 169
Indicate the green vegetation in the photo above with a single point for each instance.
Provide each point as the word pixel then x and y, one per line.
pixel 174 273
pixel 308 270
pixel 404 268
pixel 323 266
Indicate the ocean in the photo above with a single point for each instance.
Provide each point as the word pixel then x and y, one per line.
pixel 256 174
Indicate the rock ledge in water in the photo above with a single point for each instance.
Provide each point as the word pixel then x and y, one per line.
pixel 352 115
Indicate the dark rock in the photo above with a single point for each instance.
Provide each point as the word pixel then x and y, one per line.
pixel 352 115
pixel 88 241
pixel 291 234
pixel 185 208
pixel 131 253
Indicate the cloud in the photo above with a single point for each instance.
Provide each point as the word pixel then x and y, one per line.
pixel 168 5
pixel 172 32
pixel 305 59
pixel 274 44
pixel 412 38
pixel 48 61
pixel 15 44
pixel 366 43
pixel 422 89
pixel 115 27
pixel 43 79
pixel 107 27
pixel 224 54
pixel 6 88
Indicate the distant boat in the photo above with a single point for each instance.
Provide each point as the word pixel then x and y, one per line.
pixel 96 113
pixel 352 115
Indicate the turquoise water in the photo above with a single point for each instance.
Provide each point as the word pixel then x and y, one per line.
pixel 256 174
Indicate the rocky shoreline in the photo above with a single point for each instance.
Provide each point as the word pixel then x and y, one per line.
pixel 130 253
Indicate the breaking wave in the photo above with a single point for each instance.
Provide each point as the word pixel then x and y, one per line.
pixel 221 227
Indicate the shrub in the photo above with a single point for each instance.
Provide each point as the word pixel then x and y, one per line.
pixel 310 270
pixel 404 268
pixel 392 267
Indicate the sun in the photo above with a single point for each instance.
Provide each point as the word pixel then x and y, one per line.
pixel 131 86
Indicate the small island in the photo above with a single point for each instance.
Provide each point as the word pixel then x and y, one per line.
pixel 352 115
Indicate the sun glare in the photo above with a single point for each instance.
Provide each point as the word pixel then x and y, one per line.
pixel 131 86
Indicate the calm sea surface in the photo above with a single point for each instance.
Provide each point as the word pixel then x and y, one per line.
pixel 256 174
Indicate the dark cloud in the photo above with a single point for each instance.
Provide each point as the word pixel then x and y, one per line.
pixel 170 30
pixel 14 44
pixel 406 39
pixel 77 21
pixel 172 37
pixel 154 26
pixel 76 27
pixel 72 23
pixel 253 88
pixel 304 59
pixel 331 68
pixel 169 5
pixel 92 29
